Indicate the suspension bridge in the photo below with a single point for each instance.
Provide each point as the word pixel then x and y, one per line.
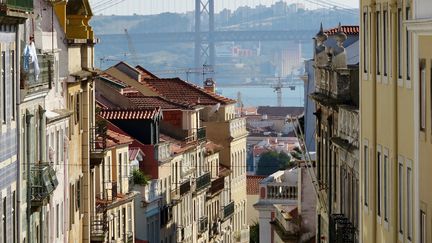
pixel 205 36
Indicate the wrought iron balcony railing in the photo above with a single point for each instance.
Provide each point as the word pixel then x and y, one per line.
pixel 202 224
pixel 216 186
pixel 98 137
pixel 16 8
pixel 228 210
pixel 43 181
pixel 203 181
pixel 201 134
pixel 30 81
pixel 185 187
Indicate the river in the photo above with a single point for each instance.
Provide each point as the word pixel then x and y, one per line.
pixel 264 96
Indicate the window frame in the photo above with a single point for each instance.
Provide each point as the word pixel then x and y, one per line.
pixel 422 94
pixel 379 183
pixel 401 195
pixel 378 42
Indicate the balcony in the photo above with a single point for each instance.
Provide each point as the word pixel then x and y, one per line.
pixel 203 181
pixel 185 187
pixel 43 181
pixel 281 192
pixel 237 127
pixel 201 134
pixel 16 8
pixel 165 215
pixel 216 186
pixel 98 229
pixel 98 135
pixel 202 224
pixel 341 229
pixel 228 210
pixel 32 83
pixel 163 152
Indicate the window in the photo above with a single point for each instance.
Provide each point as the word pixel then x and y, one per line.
pixel 365 41
pixel 57 221
pixel 129 218
pixel 57 143
pixel 378 188
pixel 409 204
pixel 422 94
pixel 61 145
pixel 400 196
pixel 386 188
pixel 12 64
pixel 14 225
pixel 78 195
pixel 3 77
pixel 377 42
pixel 423 225
pixel 4 221
pixel 399 43
pixel 77 109
pixel 385 40
pixel 118 224
pixel 408 45
pixel 366 175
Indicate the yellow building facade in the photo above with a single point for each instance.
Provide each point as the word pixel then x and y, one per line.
pixel 420 28
pixel 387 150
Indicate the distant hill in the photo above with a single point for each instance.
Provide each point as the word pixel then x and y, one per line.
pixel 244 18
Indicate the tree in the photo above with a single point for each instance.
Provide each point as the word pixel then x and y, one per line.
pixel 139 178
pixel 254 233
pixel 272 161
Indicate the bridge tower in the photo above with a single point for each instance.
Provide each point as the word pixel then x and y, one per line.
pixel 204 38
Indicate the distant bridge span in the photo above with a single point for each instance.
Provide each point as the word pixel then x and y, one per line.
pixel 221 36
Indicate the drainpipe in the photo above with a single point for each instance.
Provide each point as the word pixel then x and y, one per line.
pixel 28 117
pixel 17 120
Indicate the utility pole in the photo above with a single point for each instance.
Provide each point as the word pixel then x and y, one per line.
pixel 204 43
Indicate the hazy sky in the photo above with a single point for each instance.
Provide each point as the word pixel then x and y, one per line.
pixel 143 7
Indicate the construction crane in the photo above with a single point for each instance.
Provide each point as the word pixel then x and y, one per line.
pixel 204 70
pixel 278 89
pixel 132 50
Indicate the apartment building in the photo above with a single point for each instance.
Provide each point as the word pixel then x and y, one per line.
pixel 286 207
pixel 77 59
pixel 190 119
pixel 336 101
pixel 113 219
pixel 420 32
pixel 12 28
pixel 389 165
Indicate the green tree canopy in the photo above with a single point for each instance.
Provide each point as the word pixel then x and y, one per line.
pixel 272 161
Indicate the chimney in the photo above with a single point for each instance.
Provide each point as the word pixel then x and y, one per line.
pixel 210 85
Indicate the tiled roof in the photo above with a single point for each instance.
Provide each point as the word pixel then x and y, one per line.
pixel 145 73
pixel 112 79
pixel 252 184
pixel 179 90
pixel 134 152
pixel 130 114
pixel 347 29
pixel 281 111
pixel 148 102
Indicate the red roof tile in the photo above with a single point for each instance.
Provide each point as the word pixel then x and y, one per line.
pixel 347 29
pixel 179 90
pixel 130 114
pixel 148 102
pixel 145 73
pixel 252 184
